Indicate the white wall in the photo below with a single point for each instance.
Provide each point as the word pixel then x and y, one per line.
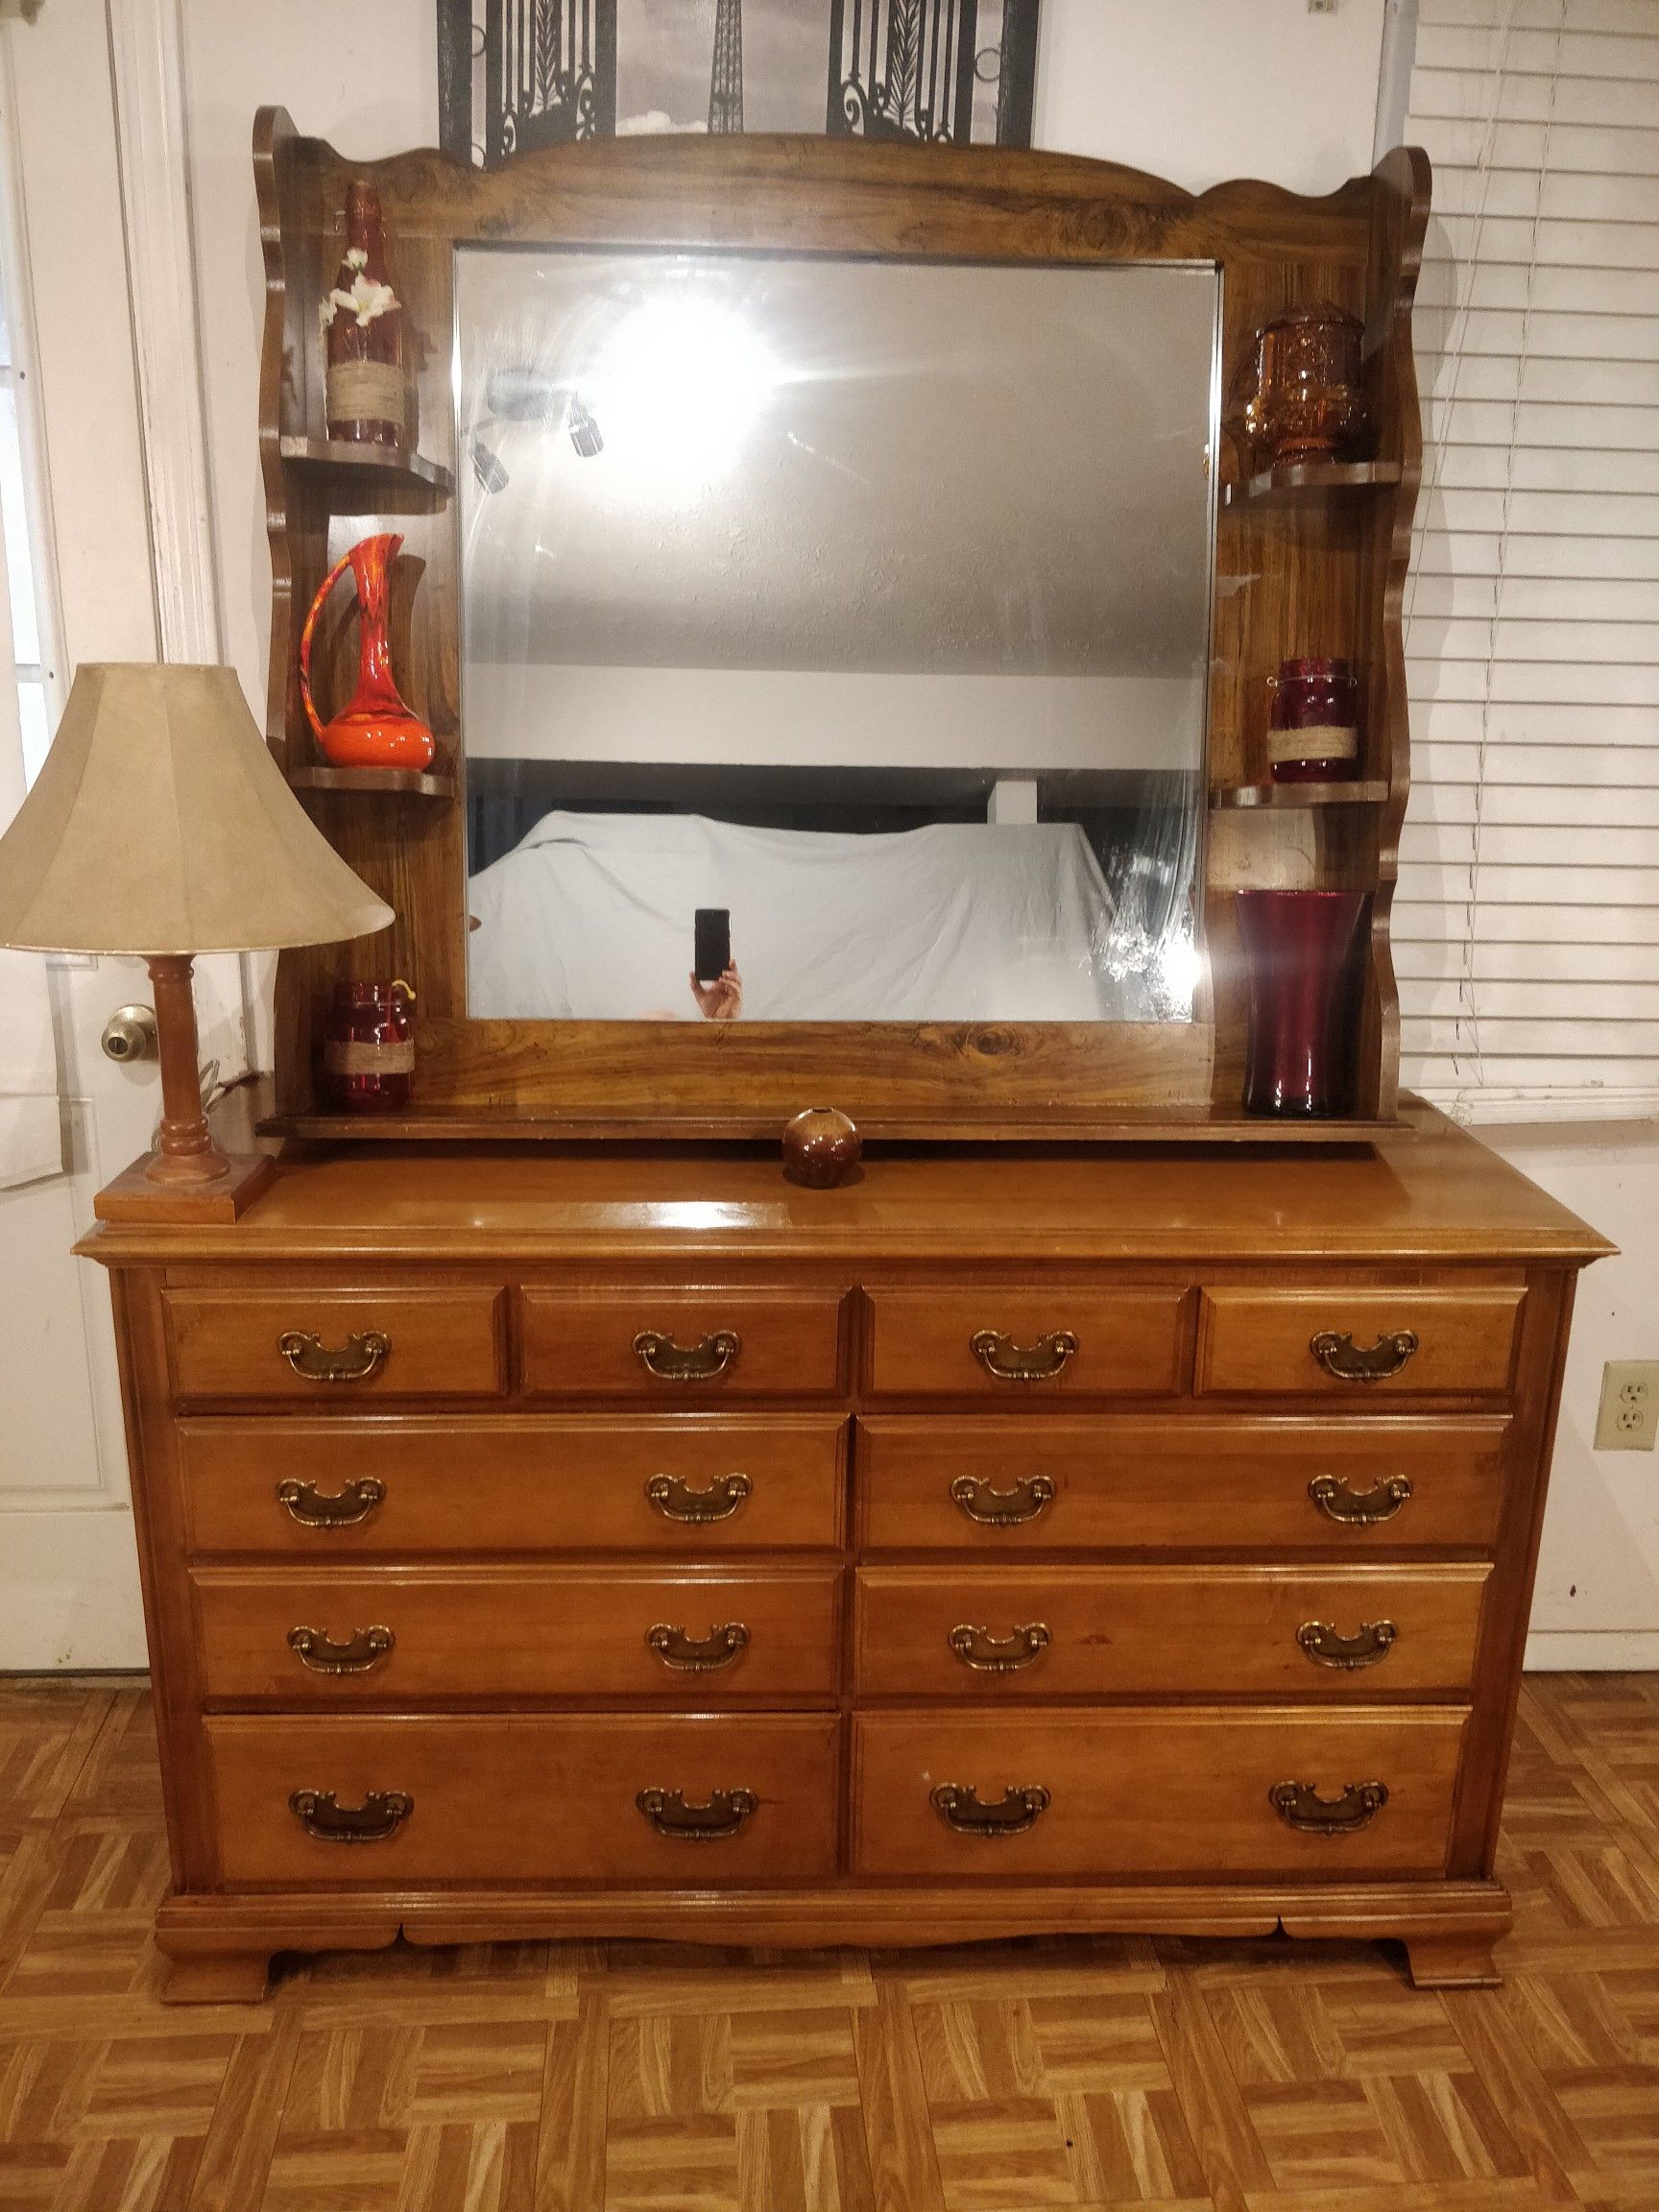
pixel 1199 90
pixel 1598 1595
pixel 802 717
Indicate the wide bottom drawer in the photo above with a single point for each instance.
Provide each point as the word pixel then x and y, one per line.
pixel 1177 1791
pixel 401 1799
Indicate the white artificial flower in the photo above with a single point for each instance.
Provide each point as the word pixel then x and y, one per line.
pixel 366 299
pixel 357 257
pixel 327 311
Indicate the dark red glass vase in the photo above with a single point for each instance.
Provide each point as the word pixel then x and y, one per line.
pixel 1303 955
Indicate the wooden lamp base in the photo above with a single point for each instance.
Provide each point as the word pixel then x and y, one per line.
pixel 187 1177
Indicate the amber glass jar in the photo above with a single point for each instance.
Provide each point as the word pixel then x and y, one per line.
pixel 1308 403
pixel 369 1049
pixel 1313 723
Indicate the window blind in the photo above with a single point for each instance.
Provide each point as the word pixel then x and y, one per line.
pixel 1526 918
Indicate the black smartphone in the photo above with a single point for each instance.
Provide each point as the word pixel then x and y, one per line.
pixel 714 933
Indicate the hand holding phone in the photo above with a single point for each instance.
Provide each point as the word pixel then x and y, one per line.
pixel 712 935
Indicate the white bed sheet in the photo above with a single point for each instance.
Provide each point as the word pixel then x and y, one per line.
pixel 590 918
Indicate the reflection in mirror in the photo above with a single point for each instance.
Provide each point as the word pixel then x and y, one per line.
pixel 836 636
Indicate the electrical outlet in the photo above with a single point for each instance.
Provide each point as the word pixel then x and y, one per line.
pixel 1629 1417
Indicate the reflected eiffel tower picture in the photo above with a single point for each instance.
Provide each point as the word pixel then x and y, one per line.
pixel 726 83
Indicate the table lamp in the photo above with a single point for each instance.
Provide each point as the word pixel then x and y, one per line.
pixel 160 826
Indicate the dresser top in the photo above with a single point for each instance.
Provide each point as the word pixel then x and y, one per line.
pixel 1432 1191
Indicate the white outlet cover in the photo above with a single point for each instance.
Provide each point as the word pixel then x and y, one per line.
pixel 1627 1418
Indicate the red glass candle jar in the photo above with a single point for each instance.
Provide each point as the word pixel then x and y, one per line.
pixel 1313 725
pixel 368 1048
pixel 1308 403
pixel 1303 954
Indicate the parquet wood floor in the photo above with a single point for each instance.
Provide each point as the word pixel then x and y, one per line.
pixel 1097 2075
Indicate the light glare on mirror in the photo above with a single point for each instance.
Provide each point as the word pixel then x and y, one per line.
pixel 676 387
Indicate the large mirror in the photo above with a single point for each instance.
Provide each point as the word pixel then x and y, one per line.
pixel 836 636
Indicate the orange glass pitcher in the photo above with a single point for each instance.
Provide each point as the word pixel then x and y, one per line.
pixel 375 729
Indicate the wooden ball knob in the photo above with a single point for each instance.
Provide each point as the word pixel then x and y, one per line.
pixel 821 1149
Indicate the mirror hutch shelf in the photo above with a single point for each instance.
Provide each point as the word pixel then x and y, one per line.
pixel 1306 556
pixel 1100 1507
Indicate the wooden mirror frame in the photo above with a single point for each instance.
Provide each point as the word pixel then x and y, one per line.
pixel 1307 559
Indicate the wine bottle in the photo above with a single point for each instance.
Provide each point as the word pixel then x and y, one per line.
pixel 362 319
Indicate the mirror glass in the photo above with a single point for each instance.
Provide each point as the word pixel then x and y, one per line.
pixel 835 635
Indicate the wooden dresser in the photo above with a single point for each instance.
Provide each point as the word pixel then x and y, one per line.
pixel 627 1542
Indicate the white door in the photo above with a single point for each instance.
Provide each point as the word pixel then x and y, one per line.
pixel 76 583
pixel 68 1590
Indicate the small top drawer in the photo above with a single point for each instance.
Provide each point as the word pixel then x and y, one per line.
pixel 680 1347
pixel 1025 1345
pixel 335 1348
pixel 1357 1342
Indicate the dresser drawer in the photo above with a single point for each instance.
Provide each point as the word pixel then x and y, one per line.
pixel 676 1485
pixel 1358 1342
pixel 1173 1791
pixel 526 1798
pixel 333 1349
pixel 680 1347
pixel 999 1486
pixel 991 1634
pixel 1028 1346
pixel 395 1635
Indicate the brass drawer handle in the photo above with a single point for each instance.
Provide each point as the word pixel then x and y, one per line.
pixel 989 1655
pixel 1370 1643
pixel 352 1361
pixel 1299 1805
pixel 722 1647
pixel 994 1508
pixel 958 1804
pixel 1012 1362
pixel 724 1814
pixel 363 1648
pixel 1339 1355
pixel 698 1362
pixel 380 1816
pixel 315 1508
pixel 677 1501
pixel 1360 1508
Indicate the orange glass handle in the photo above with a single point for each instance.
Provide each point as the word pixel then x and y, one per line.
pixel 306 635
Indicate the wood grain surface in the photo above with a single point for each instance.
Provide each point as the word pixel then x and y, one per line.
pixel 1430 1193
pixel 1093 2074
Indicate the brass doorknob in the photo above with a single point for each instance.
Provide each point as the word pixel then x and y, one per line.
pixel 130 1034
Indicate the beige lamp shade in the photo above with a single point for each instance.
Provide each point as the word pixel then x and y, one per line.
pixel 159 824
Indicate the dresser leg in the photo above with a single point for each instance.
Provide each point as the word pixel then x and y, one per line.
pixel 1451 1962
pixel 218 1978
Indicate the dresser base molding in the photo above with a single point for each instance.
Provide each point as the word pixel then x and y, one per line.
pixel 220 1946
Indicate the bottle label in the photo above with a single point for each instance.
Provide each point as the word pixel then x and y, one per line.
pixel 366 392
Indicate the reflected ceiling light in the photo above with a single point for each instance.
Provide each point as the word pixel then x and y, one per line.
pixel 585 432
pixel 486 467
pixel 518 392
